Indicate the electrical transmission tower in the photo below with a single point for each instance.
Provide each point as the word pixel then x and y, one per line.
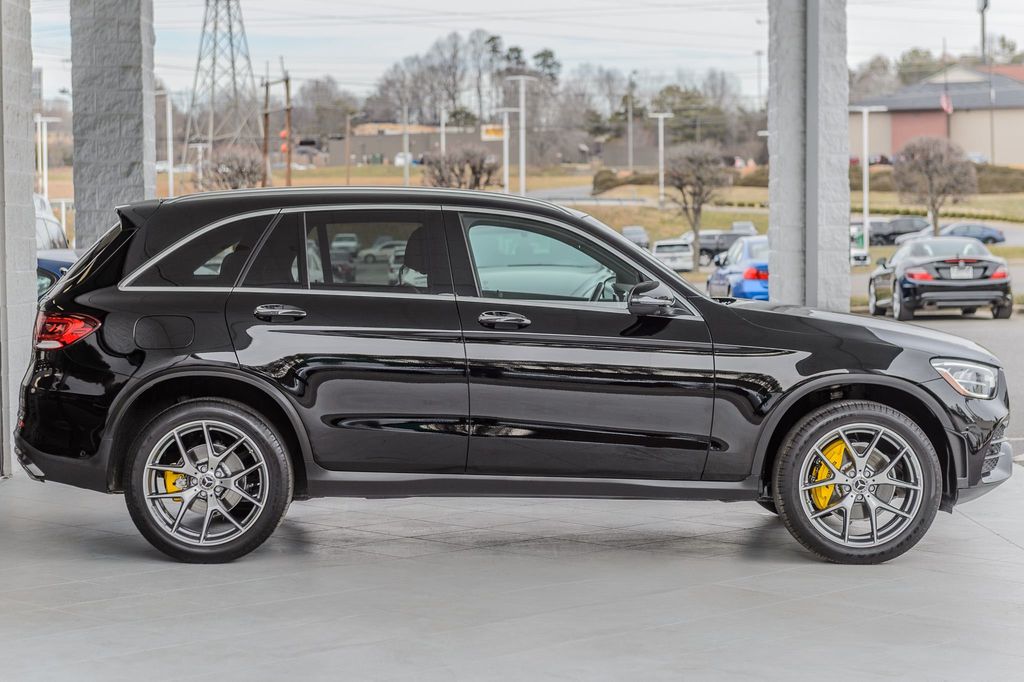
pixel 224 111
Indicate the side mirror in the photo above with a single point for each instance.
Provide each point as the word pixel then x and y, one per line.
pixel 881 262
pixel 650 298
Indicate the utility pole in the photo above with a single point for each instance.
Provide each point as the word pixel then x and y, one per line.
pixel 759 54
pixel 661 116
pixel 505 132
pixel 865 169
pixel 405 145
pixel 444 120
pixel 287 126
pixel 522 79
pixel 43 151
pixel 629 122
pixel 169 142
pixel 348 147
pixel 266 131
pixel 983 10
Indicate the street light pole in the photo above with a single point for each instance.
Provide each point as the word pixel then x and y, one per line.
pixel 759 54
pixel 505 111
pixel 629 123
pixel 522 129
pixel 661 116
pixel 444 120
pixel 170 140
pixel 865 166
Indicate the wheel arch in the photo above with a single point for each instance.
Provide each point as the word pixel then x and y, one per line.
pixel 159 392
pixel 898 394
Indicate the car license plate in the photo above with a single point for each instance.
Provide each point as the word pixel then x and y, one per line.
pixel 961 272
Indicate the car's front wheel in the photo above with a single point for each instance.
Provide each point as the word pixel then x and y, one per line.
pixel 208 481
pixel 873 306
pixel 857 482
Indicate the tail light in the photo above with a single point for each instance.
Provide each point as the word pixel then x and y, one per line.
pixel 919 275
pixel 55 331
pixel 754 273
pixel 1000 273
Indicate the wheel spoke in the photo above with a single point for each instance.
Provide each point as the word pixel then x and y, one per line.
pixel 186 504
pixel 249 498
pixel 854 455
pixel 874 442
pixel 225 514
pixel 217 458
pixel 167 496
pixel 889 508
pixel 841 504
pixel 206 520
pixel 245 472
pixel 896 483
pixel 183 470
pixel 872 504
pixel 185 457
pixel 817 484
pixel 892 464
pixel 837 475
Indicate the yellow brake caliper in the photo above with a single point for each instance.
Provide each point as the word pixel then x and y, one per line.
pixel 833 453
pixel 173 482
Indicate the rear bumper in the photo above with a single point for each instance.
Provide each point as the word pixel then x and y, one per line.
pixel 996 469
pixel 89 473
pixel 958 294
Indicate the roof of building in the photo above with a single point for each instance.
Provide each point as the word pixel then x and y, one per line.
pixel 968 88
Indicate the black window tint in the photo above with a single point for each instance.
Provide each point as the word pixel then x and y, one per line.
pixel 520 259
pixel 212 259
pixel 278 264
pixel 376 250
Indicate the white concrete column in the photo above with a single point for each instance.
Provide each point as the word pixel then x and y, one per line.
pixel 808 146
pixel 17 214
pixel 114 107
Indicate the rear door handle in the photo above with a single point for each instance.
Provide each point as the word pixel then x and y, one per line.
pixel 269 312
pixel 501 319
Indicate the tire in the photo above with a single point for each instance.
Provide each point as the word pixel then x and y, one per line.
pixel 768 505
pixel 369 258
pixel 968 311
pixel 901 310
pixel 833 536
pixel 1002 312
pixel 182 502
pixel 873 306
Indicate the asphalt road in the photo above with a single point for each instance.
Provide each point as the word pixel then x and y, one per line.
pixel 1000 337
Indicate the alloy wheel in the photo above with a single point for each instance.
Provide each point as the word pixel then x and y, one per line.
pixel 861 485
pixel 205 483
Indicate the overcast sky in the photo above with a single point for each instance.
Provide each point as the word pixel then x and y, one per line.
pixel 354 42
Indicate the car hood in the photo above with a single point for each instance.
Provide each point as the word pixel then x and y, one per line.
pixel 901 334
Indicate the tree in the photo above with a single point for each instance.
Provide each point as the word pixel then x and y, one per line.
pixel 321 107
pixel 233 170
pixel 916 64
pixel 465 168
pixel 873 78
pixel 932 171
pixel 696 173
pixel 547 65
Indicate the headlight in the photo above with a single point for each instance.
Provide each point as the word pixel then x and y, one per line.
pixel 968 378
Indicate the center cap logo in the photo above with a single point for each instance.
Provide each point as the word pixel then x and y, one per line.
pixel 860 485
pixel 207 481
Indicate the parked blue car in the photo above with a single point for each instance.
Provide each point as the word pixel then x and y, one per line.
pixel 53 254
pixel 742 271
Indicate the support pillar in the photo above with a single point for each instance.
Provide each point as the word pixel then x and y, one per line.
pixel 808 146
pixel 17 214
pixel 114 110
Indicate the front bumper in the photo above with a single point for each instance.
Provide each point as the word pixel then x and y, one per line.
pixel 997 467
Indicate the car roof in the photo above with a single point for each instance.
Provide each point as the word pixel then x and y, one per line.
pixel 676 240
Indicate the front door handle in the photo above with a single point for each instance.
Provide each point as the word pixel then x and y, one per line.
pixel 501 319
pixel 270 312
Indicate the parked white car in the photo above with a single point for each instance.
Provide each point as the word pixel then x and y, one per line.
pixel 675 253
pixel 380 251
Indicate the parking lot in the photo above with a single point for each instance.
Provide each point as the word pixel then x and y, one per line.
pixel 513 589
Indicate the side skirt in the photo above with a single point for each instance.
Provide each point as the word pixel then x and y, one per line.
pixel 385 484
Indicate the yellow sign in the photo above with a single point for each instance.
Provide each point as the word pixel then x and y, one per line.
pixel 492 132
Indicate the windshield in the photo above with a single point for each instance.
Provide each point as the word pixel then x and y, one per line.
pixel 948 248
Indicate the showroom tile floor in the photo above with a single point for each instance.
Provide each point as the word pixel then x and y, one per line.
pixel 484 589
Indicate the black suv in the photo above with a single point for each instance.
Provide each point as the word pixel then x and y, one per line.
pixel 886 232
pixel 208 358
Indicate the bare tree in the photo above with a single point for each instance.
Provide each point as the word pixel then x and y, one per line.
pixel 696 172
pixel 479 50
pixel 932 171
pixel 234 169
pixel 465 168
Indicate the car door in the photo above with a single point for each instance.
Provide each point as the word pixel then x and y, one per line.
pixel 376 368
pixel 564 380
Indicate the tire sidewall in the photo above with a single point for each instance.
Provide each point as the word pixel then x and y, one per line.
pixel 279 478
pixel 796 447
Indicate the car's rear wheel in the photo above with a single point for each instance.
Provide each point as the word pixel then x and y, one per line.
pixel 1002 312
pixel 901 310
pixel 857 482
pixel 873 306
pixel 208 481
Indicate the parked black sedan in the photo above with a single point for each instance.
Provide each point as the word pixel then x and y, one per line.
pixel 940 272
pixel 203 359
